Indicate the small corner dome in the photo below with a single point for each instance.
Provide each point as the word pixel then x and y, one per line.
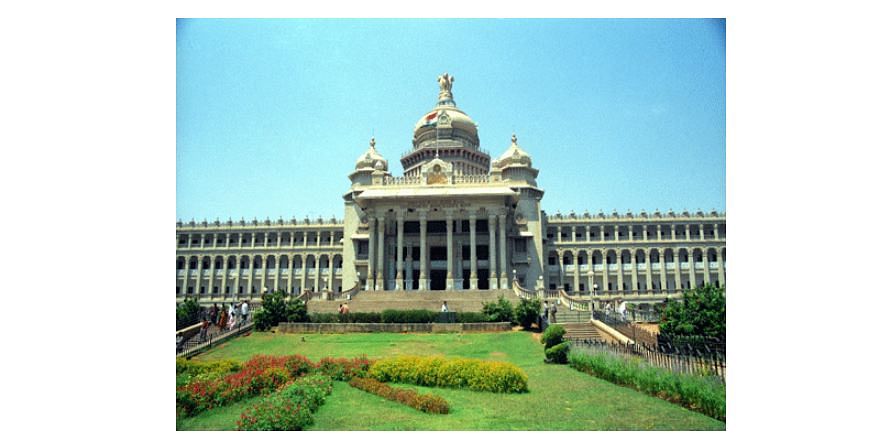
pixel 514 156
pixel 371 159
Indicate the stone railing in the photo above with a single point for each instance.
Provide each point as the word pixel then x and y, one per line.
pixel 402 180
pixel 656 215
pixel 345 295
pixel 574 303
pixel 471 179
pixel 523 292
pixel 279 223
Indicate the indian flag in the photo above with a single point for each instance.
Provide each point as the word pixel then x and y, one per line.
pixel 431 119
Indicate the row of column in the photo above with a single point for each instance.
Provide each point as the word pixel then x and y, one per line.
pixel 378 225
pixel 252 242
pixel 648 272
pixel 251 278
pixel 687 233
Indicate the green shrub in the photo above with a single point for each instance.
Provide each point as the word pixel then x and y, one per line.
pixel 435 371
pixel 289 409
pixel 419 316
pixel 499 311
pixel 558 353
pixel 526 312
pixel 427 402
pixel 317 317
pixel 296 310
pixel 364 317
pixel 553 335
pixel 190 370
pixel 187 313
pixel 700 312
pixel 702 394
pixel 342 369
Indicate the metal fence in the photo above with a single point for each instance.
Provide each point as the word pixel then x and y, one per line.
pixel 198 342
pixel 708 365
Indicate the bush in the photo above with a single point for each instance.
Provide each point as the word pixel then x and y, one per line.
pixel 526 312
pixel 258 375
pixel 290 409
pixel 317 317
pixel 342 369
pixel 296 310
pixel 472 374
pixel 427 402
pixel 701 312
pixel 499 311
pixel 190 370
pixel 275 309
pixel 419 316
pixel 187 313
pixel 558 353
pixel 701 394
pixel 553 335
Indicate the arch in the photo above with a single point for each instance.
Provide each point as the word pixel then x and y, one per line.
pixel 296 262
pixel 724 255
pixel 310 261
pixel 180 263
pixel 580 257
pixel 205 263
pixel 553 259
pixel 683 254
pixel 257 262
pixel 697 254
pixel 337 261
pixel 596 257
pixel 567 258
pixel 284 262
pixel 271 262
pixel 323 264
pixel 626 257
pixel 611 257
pixel 232 262
pixel 668 255
pixel 245 262
pixel 640 256
pixel 712 254
pixel 655 256
pixel 218 262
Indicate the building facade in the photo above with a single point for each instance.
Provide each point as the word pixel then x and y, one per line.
pixel 454 220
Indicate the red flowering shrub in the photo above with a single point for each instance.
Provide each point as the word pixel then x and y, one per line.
pixel 260 374
pixel 426 402
pixel 290 409
pixel 342 369
pixel 472 374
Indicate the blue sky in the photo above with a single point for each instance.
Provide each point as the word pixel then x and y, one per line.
pixel 617 114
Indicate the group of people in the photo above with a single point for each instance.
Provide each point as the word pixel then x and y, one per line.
pixel 224 317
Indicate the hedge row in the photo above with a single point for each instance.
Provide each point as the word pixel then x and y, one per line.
pixel 190 370
pixel 289 409
pixel 342 369
pixel 420 316
pixel 701 394
pixel 427 402
pixel 260 374
pixel 473 374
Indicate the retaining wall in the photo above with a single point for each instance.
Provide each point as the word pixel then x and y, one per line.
pixel 300 327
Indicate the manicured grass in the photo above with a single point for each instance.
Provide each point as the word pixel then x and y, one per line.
pixel 559 398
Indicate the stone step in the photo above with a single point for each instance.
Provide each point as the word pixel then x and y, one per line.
pixel 378 301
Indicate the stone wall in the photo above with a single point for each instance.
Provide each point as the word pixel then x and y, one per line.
pixel 287 327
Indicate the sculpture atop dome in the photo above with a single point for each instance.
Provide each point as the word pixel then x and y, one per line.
pixel 514 156
pixel 371 158
pixel 445 84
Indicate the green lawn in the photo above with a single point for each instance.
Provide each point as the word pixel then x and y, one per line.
pixel 560 398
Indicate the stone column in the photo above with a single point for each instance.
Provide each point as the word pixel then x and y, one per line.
pixel 318 277
pixel 304 272
pixel 577 269
pixel 617 234
pixel 702 232
pixel 503 253
pixel 331 280
pixel 449 221
pixel 381 229
pixel 605 270
pixel 649 279
pixel 372 240
pixel 399 250
pixel 240 240
pixel 252 274
pixel 630 232
pixel 424 266
pixel 252 241
pixel 720 269
pixel 619 254
pixel 559 234
pixel 276 271
pixel 291 273
pixel 687 232
pixel 562 282
pixel 409 266
pixel 189 241
pixel 473 268
pixel 707 276
pixel 199 271
pixel 690 268
pixel 662 272
pixel 660 234
pixel 587 237
pixel 224 278
pixel 677 260
pixel 228 240
pixel 185 285
pixel 634 281
pixel 491 222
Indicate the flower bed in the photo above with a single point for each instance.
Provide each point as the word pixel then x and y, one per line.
pixel 696 393
pixel 469 374
pixel 190 370
pixel 342 369
pixel 259 374
pixel 289 409
pixel 426 402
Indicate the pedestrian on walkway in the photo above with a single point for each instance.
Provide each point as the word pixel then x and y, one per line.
pixel 553 313
pixel 244 311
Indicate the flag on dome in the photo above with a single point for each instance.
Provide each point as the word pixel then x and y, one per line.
pixel 431 119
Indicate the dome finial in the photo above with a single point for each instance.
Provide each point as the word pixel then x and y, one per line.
pixel 514 139
pixel 373 142
pixel 445 85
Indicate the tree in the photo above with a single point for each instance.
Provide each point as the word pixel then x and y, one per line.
pixel 555 349
pixel 526 312
pixel 275 309
pixel 500 311
pixel 187 313
pixel 701 312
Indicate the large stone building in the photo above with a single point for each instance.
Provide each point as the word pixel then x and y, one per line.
pixel 455 220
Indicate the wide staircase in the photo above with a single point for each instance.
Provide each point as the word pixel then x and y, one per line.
pixel 378 301
pixel 577 324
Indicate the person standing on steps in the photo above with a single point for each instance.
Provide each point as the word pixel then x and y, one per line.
pixel 553 313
